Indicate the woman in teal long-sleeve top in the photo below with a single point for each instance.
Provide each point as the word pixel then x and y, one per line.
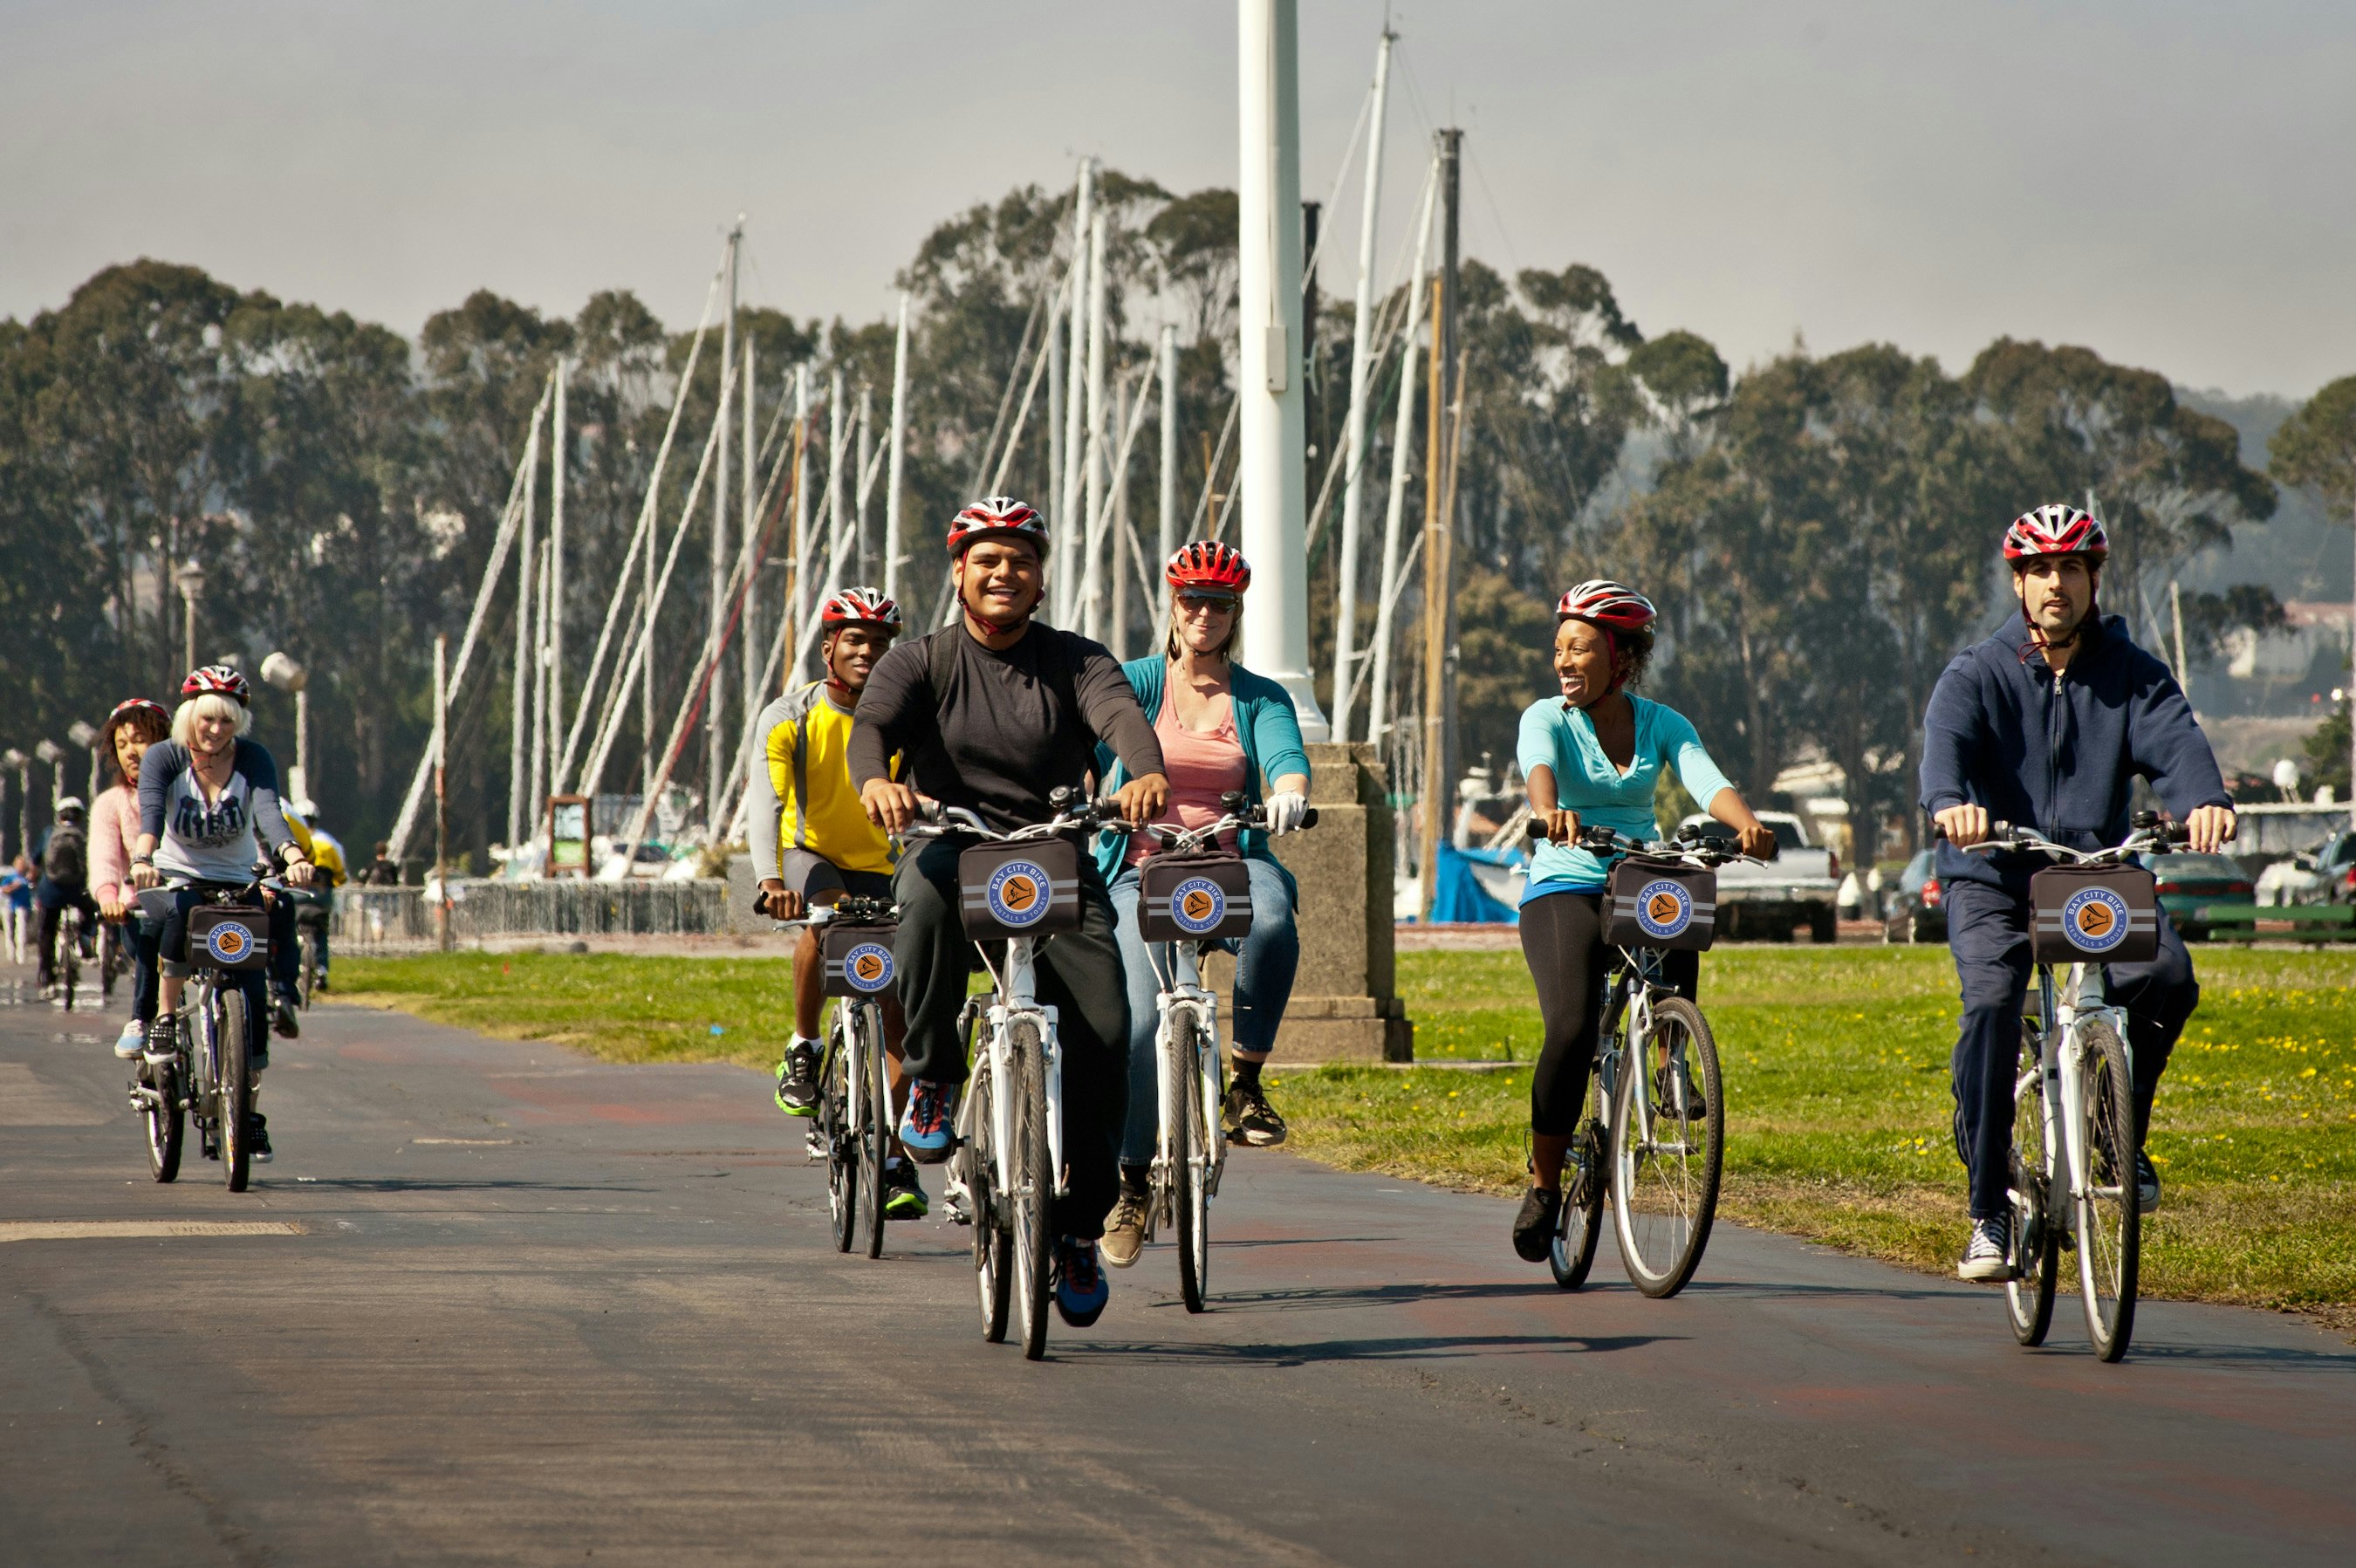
pixel 1222 728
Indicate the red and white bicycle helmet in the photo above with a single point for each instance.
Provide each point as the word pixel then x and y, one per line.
pixel 2056 528
pixel 134 707
pixel 860 606
pixel 223 678
pixel 1615 606
pixel 997 517
pixel 1207 564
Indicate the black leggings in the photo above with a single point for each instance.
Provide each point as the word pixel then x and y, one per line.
pixel 1562 941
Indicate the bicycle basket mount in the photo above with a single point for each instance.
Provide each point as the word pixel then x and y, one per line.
pixel 1656 903
pixel 2095 914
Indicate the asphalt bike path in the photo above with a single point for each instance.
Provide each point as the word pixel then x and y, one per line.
pixel 499 1302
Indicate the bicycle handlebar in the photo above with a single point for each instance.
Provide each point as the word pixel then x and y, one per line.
pixel 2150 836
pixel 1691 845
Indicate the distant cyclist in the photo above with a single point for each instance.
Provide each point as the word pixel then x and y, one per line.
pixel 1593 756
pixel 129 731
pixel 315 911
pixel 812 844
pixel 1222 728
pixel 65 880
pixel 992 714
pixel 2046 724
pixel 207 809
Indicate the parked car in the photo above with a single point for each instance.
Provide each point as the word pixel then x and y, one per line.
pixel 2189 881
pixel 2324 875
pixel 1802 884
pixel 1917 910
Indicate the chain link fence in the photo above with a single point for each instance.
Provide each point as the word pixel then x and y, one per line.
pixel 397 920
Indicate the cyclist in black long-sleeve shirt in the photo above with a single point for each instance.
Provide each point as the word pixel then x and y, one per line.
pixel 992 714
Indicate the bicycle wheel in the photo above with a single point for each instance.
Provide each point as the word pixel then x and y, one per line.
pixel 1033 1198
pixel 874 1122
pixel 1181 1116
pixel 993 1240
pixel 836 1135
pixel 1669 1131
pixel 232 1047
pixel 164 1123
pixel 110 960
pixel 309 967
pixel 2036 1249
pixel 70 954
pixel 2109 1217
pixel 1571 1253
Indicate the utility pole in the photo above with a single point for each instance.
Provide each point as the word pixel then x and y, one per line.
pixel 1354 485
pixel 1054 494
pixel 1435 615
pixel 1098 460
pixel 519 709
pixel 441 790
pixel 1068 522
pixel 863 562
pixel 1271 467
pixel 894 464
pixel 1116 537
pixel 715 709
pixel 1167 534
pixel 748 623
pixel 557 455
pixel 801 592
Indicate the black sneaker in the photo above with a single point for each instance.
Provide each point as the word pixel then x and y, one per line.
pixel 903 1195
pixel 282 1021
pixel 798 1079
pixel 162 1047
pixel 257 1129
pixel 1251 1119
pixel 2146 1182
pixel 1534 1227
pixel 1081 1288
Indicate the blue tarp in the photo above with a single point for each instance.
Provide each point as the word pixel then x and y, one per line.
pixel 1458 899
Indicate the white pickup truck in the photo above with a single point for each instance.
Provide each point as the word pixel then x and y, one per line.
pixel 1764 903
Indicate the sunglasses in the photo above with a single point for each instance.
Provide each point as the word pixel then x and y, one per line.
pixel 1214 601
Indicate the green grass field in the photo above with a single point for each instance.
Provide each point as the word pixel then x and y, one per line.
pixel 1836 1066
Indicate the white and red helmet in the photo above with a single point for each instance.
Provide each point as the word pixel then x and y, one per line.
pixel 1208 563
pixel 997 517
pixel 1615 606
pixel 860 606
pixel 2056 528
pixel 222 679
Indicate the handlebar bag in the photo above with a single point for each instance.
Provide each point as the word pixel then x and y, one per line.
pixel 858 960
pixel 2095 914
pixel 1194 898
pixel 1028 890
pixel 1656 903
pixel 229 937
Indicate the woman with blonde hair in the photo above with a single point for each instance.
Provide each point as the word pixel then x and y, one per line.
pixel 207 805
pixel 1222 728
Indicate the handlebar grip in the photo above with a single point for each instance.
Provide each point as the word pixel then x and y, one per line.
pixel 1308 817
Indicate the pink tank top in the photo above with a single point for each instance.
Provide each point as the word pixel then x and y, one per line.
pixel 1202 766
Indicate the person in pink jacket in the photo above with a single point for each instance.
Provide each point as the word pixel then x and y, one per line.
pixel 130 730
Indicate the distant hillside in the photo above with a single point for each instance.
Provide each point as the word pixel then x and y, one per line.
pixel 2299 552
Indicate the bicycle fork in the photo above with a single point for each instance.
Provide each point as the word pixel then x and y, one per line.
pixel 1021 1002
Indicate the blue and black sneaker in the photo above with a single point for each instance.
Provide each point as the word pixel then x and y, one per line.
pixel 929 1127
pixel 1081 1288
pixel 903 1195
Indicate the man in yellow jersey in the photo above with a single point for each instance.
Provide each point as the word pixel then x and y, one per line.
pixel 812 844
pixel 317 910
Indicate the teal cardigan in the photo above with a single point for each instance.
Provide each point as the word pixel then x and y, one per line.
pixel 1265 722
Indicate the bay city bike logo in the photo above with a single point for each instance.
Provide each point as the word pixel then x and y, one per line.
pixel 1197 905
pixel 229 943
pixel 1018 893
pixel 1664 910
pixel 2094 919
pixel 868 967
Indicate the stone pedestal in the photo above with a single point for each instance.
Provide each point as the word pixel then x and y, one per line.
pixel 1345 1006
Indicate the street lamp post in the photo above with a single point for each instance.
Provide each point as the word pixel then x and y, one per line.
pixel 53 754
pixel 83 735
pixel 21 765
pixel 190 579
pixel 282 673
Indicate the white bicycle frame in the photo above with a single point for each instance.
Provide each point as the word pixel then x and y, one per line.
pixel 1182 990
pixel 2078 998
pixel 1017 998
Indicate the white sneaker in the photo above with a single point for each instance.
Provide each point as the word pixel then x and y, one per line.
pixel 132 1041
pixel 1983 1257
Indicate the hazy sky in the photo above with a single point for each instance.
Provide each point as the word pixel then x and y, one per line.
pixel 2164 181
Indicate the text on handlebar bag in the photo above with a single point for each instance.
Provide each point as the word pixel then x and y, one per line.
pixel 2094 914
pixel 1194 898
pixel 859 960
pixel 229 937
pixel 1027 889
pixel 1650 904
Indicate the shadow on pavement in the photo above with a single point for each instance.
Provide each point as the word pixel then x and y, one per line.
pixel 414 1184
pixel 2245 1358
pixel 1374 1296
pixel 1132 1351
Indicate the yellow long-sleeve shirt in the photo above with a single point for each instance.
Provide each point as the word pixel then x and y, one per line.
pixel 802 794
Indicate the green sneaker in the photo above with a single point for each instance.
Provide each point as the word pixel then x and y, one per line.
pixel 903 1195
pixel 798 1079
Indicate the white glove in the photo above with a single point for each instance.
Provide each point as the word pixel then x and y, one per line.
pixel 1285 808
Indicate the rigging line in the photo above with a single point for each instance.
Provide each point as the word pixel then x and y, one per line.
pixel 1013 374
pixel 1377 357
pixel 1211 474
pixel 1363 661
pixel 1496 216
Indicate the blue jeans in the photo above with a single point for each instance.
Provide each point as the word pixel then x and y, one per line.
pixel 1987 931
pixel 1264 971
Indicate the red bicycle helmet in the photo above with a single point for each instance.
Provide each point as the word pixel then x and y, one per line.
pixel 2056 528
pixel 997 517
pixel 860 606
pixel 1615 606
pixel 135 708
pixel 1207 564
pixel 222 679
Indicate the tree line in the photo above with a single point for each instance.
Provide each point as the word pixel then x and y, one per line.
pixel 1818 530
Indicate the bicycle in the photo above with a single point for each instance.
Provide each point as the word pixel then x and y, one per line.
pixel 69 960
pixel 310 931
pixel 112 958
pixel 1192 899
pixel 852 1128
pixel 1008 1163
pixel 2072 1163
pixel 210 1075
pixel 1654 1146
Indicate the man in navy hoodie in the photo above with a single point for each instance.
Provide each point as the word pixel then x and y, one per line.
pixel 2046 724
